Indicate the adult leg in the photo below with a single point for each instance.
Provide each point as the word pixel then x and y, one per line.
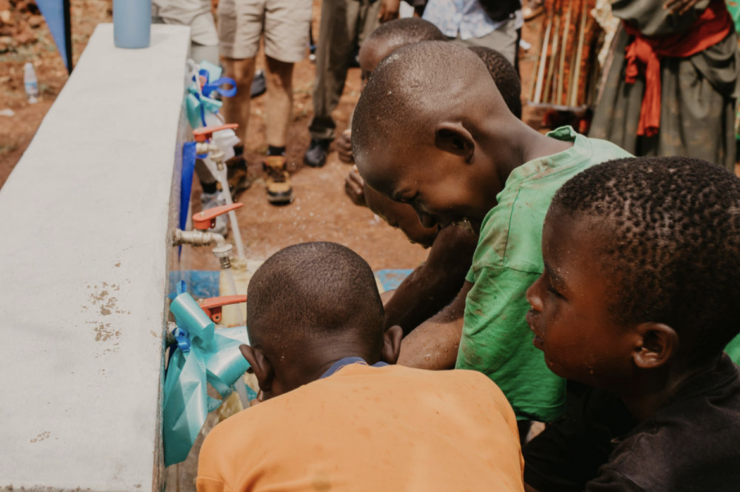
pixel 367 20
pixel 337 33
pixel 236 108
pixel 286 38
pixel 279 101
pixel 240 24
pixel 280 109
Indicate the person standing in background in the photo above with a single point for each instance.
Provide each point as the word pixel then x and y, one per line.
pixel 345 24
pixel 672 84
pixel 493 24
pixel 198 16
pixel 284 25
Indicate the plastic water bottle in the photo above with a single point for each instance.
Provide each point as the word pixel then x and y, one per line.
pixel 31 83
pixel 132 22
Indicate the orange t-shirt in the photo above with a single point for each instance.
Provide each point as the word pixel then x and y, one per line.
pixel 370 429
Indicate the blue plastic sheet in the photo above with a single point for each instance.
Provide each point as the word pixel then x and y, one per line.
pixel 201 284
pixel 56 14
pixel 390 279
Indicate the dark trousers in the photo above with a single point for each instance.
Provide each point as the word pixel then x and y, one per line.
pixel 345 24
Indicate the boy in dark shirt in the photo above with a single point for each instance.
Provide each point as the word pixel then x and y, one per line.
pixel 638 298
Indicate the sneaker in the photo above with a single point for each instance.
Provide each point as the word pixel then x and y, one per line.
pixel 316 153
pixel 279 191
pixel 236 175
pixel 210 200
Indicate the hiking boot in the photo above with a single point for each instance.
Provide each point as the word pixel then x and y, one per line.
pixel 277 181
pixel 236 175
pixel 211 200
pixel 316 153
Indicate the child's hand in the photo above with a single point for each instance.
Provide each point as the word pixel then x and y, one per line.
pixel 344 147
pixel 353 185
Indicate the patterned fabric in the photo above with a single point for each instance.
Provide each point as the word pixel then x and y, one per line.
pixel 464 16
pixel 697 105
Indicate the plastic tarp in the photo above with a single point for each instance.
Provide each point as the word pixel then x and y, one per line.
pixel 57 16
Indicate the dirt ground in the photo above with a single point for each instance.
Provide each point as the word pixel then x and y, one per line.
pixel 320 211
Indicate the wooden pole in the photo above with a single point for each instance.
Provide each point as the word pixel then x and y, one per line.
pixel 558 99
pixel 537 93
pixel 579 54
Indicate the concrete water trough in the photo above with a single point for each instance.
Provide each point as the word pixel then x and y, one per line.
pixel 85 254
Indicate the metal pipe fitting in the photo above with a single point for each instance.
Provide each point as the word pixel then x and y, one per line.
pixel 223 253
pixel 197 238
pixel 213 151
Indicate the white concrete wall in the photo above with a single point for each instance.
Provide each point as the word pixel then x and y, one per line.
pixel 83 270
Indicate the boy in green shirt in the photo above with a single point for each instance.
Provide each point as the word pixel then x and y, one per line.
pixel 432 130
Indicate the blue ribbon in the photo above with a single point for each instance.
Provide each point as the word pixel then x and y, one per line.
pixel 203 356
pixel 199 102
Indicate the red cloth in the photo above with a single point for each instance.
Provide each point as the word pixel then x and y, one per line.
pixel 711 27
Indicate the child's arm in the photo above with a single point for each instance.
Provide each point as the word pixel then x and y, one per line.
pixel 434 343
pixel 434 284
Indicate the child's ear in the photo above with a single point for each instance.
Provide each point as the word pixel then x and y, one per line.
pixel 455 139
pixel 657 344
pixel 391 344
pixel 260 365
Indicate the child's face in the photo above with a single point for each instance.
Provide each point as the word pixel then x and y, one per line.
pixel 570 301
pixel 401 216
pixel 442 187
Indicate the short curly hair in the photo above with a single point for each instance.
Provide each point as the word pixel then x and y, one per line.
pixel 295 293
pixel 673 228
pixel 402 32
pixel 505 75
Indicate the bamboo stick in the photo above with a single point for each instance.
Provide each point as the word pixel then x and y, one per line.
pixel 536 96
pixel 579 54
pixel 586 56
pixel 553 56
pixel 561 71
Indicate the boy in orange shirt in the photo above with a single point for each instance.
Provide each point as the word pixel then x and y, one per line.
pixel 336 416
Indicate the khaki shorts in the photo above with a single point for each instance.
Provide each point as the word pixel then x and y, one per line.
pixel 284 23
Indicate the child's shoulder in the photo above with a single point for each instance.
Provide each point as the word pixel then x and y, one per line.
pixel 457 380
pixel 687 442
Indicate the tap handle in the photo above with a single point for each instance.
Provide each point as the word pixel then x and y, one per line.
pixel 205 133
pixel 207 218
pixel 213 305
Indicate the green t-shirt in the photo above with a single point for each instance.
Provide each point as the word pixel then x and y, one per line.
pixel 496 339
